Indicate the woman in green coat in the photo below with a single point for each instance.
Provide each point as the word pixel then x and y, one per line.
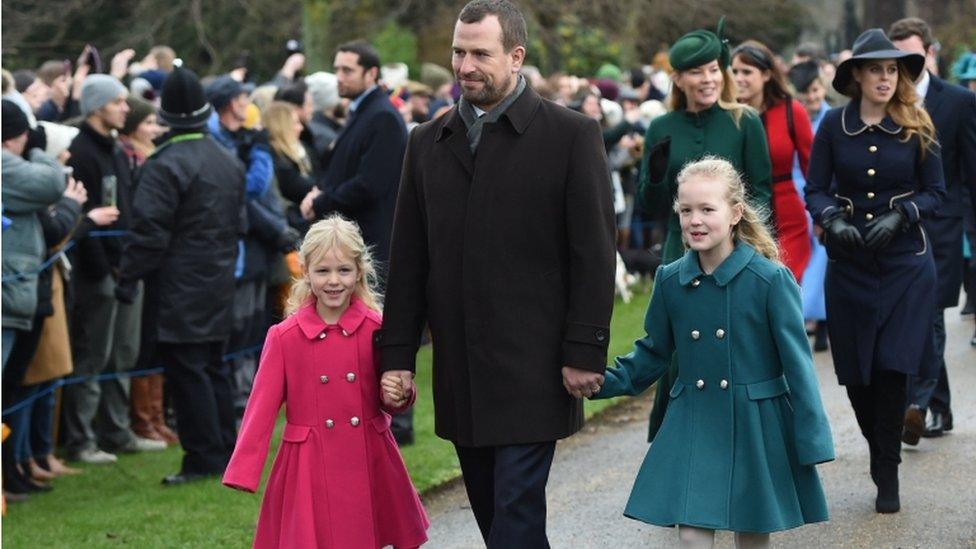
pixel 746 424
pixel 704 120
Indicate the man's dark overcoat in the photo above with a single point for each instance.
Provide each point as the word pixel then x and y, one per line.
pixel 508 254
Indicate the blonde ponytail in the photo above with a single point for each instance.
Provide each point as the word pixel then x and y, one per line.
pixel 751 229
pixel 335 231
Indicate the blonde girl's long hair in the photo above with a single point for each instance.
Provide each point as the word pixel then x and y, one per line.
pixel 278 119
pixel 751 229
pixel 727 98
pixel 904 110
pixel 335 232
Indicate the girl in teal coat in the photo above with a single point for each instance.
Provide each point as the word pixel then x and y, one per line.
pixel 746 425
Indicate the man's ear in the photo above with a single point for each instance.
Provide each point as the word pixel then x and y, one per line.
pixel 518 57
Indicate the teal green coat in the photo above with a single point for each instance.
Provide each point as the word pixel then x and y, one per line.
pixel 746 425
pixel 693 135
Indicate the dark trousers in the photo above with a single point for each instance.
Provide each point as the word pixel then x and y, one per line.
pixel 880 411
pixel 199 382
pixel 933 393
pixel 506 486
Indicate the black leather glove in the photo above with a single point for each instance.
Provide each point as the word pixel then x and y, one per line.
pixel 36 139
pixel 882 229
pixel 657 160
pixel 289 239
pixel 126 291
pixel 843 233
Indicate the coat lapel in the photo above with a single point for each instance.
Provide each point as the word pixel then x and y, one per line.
pixel 455 136
pixel 933 97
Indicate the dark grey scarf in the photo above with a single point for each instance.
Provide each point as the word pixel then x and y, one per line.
pixel 476 123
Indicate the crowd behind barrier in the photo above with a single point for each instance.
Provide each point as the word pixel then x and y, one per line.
pixel 77 146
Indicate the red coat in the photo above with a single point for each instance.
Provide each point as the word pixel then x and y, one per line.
pixel 338 479
pixel 789 211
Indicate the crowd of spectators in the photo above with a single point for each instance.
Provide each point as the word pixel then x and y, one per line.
pixel 76 139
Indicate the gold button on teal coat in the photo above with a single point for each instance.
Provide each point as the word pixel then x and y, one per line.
pixel 746 424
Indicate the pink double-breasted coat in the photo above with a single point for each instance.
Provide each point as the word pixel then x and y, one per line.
pixel 338 479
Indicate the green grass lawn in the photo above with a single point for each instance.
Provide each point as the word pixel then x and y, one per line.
pixel 124 504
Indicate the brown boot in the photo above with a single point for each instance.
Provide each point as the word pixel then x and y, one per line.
pixel 158 415
pixel 141 396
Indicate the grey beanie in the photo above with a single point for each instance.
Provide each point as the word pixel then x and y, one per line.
pixel 324 89
pixel 99 90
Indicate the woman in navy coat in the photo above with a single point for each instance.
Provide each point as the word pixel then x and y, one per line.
pixel 875 172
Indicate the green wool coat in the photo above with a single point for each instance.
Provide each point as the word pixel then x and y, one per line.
pixel 746 425
pixel 693 135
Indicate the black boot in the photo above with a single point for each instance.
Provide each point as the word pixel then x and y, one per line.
pixel 888 501
pixel 820 336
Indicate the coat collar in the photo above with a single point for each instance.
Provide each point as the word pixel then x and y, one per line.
pixel 934 95
pixel 853 125
pixel 519 115
pixel 312 324
pixel 690 269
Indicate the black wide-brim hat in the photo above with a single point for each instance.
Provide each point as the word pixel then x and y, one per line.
pixel 873 44
pixel 183 104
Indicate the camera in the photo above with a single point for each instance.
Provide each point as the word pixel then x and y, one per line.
pixel 293 46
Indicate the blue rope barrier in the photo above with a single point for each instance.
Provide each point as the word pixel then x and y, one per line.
pixel 115 375
pixel 17 277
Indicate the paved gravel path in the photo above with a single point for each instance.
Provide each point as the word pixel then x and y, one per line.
pixel 593 471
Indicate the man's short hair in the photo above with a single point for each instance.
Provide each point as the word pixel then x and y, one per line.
pixel 50 71
pixel 909 27
pixel 509 17
pixel 368 58
pixel 810 50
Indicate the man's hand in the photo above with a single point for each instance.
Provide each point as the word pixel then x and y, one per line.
pixel 120 63
pixel 104 215
pixel 581 383
pixel 398 388
pixel 76 191
pixel 308 212
pixel 293 64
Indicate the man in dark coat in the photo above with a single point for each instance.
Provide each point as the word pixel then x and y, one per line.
pixel 504 243
pixel 953 111
pixel 362 169
pixel 187 220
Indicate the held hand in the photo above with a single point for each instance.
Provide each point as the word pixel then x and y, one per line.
pixel 76 191
pixel 105 215
pixel 293 64
pixel 882 229
pixel 581 383
pixel 401 379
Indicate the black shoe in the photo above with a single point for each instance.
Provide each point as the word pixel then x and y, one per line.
pixel 186 478
pixel 820 337
pixel 938 425
pixel 403 437
pixel 914 425
pixel 888 500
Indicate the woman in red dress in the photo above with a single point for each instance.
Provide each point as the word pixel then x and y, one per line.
pixel 788 132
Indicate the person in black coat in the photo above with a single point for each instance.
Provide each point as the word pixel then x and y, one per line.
pixel 953 112
pixel 875 174
pixel 188 215
pixel 504 243
pixel 362 169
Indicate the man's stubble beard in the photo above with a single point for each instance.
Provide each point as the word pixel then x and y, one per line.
pixel 489 94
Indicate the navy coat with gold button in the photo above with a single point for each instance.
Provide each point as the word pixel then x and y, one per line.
pixel 879 303
pixel 745 425
pixel 508 254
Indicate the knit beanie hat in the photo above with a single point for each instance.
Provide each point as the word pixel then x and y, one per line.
pixel 183 104
pixel 59 137
pixel 324 88
pixel 14 120
pixel 99 90
pixel 139 110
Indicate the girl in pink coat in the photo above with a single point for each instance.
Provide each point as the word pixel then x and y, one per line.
pixel 338 480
